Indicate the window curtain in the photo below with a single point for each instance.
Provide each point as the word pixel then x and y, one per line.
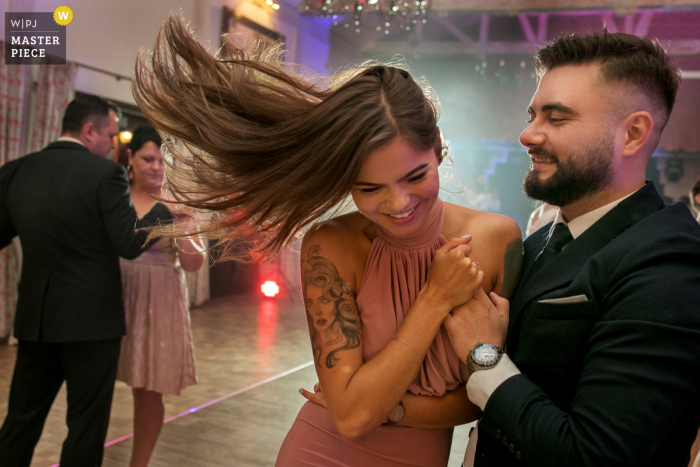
pixel 12 95
pixel 198 284
pixel 53 91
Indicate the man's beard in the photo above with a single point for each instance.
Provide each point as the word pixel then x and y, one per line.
pixel 574 179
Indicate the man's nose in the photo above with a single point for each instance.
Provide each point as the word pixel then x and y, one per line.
pixel 532 136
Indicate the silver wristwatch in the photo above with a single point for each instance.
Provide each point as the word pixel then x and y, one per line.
pixel 483 356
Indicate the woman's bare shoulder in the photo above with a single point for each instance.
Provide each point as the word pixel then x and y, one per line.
pixel 342 240
pixel 346 230
pixel 496 241
pixel 466 221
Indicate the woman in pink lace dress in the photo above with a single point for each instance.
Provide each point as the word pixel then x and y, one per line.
pixel 157 355
pixel 270 149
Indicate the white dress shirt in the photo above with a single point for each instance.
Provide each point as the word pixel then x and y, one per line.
pixel 72 140
pixel 483 383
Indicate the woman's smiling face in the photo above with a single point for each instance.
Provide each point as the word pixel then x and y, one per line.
pixel 397 186
pixel 147 164
pixel 321 310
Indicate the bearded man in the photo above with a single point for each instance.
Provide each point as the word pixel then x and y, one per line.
pixel 603 333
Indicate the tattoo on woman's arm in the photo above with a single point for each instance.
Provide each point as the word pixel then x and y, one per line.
pixel 511 269
pixel 331 311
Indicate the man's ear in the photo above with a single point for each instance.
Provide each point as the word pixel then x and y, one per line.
pixel 697 199
pixel 88 132
pixel 638 127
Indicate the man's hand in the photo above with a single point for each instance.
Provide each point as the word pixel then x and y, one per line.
pixel 479 320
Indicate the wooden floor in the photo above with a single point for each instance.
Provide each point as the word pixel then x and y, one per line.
pixel 240 341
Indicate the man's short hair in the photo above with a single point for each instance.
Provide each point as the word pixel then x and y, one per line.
pixel 142 135
pixel 624 58
pixel 84 109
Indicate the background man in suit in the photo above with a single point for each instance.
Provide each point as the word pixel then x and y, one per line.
pixel 603 337
pixel 71 209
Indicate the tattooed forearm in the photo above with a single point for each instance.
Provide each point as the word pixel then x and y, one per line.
pixel 511 271
pixel 331 311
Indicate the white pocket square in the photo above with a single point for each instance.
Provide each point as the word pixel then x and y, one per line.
pixel 574 299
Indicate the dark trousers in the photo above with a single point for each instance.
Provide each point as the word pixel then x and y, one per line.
pixel 89 370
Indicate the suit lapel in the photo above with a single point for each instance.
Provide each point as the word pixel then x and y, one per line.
pixel 566 265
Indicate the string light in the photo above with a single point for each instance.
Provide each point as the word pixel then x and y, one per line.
pixel 377 15
pixel 504 71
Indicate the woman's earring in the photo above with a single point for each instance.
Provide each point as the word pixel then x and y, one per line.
pixel 130 172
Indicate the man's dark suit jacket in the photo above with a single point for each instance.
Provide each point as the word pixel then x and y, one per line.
pixel 75 219
pixel 614 380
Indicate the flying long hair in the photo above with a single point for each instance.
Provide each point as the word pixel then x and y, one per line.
pixel 266 148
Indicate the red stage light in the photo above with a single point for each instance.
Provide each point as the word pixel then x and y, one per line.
pixel 270 288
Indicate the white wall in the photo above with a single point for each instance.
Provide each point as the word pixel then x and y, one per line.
pixel 306 39
pixel 107 34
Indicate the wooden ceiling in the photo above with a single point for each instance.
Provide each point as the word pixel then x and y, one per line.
pixel 518 6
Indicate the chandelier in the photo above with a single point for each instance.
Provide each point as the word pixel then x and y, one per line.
pixel 374 15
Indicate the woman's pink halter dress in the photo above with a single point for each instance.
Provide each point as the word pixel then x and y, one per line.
pixel 396 270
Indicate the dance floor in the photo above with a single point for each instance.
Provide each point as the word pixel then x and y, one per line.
pixel 252 356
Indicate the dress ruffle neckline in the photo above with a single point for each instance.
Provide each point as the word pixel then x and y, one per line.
pixel 426 235
pixel 395 272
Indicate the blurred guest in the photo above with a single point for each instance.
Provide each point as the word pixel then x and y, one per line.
pixel 157 355
pixel 543 215
pixel 694 196
pixel 481 196
pixel 72 211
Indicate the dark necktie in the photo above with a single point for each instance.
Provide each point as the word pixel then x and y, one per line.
pixel 560 237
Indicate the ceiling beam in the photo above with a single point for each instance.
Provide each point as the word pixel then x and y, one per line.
pixel 643 23
pixel 527 28
pixel 530 36
pixel 417 35
pixel 513 7
pixel 674 48
pixel 452 29
pixel 641 28
pixel 484 27
pixel 609 20
pixel 449 48
pixel 542 28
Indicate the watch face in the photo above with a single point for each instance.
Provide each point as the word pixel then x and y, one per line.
pixel 485 354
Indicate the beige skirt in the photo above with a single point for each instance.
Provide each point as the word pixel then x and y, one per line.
pixel 157 352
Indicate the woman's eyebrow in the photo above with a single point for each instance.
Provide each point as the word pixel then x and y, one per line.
pixel 417 169
pixel 408 175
